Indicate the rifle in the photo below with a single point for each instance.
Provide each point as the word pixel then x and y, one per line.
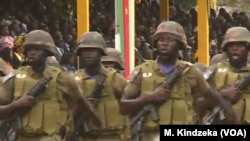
pixel 81 124
pixel 243 83
pixel 35 91
pixel 136 123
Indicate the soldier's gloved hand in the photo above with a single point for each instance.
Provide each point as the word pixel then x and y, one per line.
pixel 24 101
pixel 232 94
pixel 160 94
pixel 92 102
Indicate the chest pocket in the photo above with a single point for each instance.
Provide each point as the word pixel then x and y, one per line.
pixel 89 85
pixel 49 111
pixel 224 78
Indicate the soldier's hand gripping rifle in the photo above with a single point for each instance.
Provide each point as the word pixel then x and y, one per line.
pixel 35 91
pixel 81 123
pixel 135 124
pixel 243 83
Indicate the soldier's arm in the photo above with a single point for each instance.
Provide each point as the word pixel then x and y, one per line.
pixel 67 86
pixel 119 84
pixel 211 80
pixel 196 85
pixel 6 110
pixel 17 105
pixel 131 101
pixel 7 90
pixel 7 107
pixel 209 101
pixel 202 101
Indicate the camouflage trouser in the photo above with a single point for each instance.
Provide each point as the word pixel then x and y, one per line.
pixel 40 138
pixel 150 136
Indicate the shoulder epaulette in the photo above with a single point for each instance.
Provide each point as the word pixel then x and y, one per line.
pixel 9 76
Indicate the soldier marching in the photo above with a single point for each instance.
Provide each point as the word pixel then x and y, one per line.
pixel 97 103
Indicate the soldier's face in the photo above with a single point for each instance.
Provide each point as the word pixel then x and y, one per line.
pixel 90 56
pixel 167 46
pixel 35 55
pixel 237 51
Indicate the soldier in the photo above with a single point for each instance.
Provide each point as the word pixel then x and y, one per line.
pixel 111 84
pixel 113 60
pixel 236 45
pixel 147 84
pixel 49 113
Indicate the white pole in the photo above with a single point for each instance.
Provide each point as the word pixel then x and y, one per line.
pixel 117 33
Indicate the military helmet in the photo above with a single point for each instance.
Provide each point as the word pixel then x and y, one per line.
pixel 92 40
pixel 173 29
pixel 40 37
pixel 235 34
pixel 113 56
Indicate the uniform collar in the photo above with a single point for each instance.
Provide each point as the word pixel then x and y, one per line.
pixel 102 71
pixel 46 72
pixel 157 68
pixel 243 69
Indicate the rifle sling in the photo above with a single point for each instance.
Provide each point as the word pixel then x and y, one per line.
pixel 99 86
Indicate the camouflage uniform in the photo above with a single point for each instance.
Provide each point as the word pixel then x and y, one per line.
pixel 114 56
pixel 145 78
pixel 51 111
pixel 225 75
pixel 114 124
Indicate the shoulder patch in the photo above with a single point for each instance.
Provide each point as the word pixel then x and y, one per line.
pixel 186 66
pixel 77 73
pixel 8 76
pixel 207 74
